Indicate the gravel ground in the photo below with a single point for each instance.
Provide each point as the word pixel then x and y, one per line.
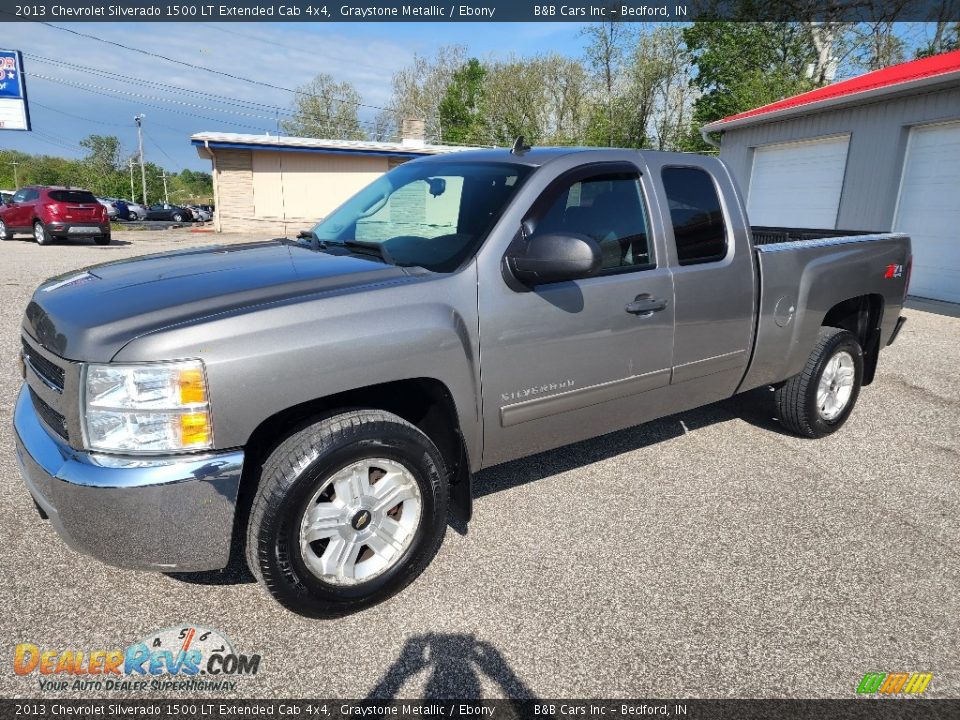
pixel 703 555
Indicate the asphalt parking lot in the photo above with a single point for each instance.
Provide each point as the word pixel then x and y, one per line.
pixel 702 555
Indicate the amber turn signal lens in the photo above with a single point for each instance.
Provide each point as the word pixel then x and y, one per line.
pixel 195 430
pixel 193 389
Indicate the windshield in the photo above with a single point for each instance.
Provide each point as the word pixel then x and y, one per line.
pixel 434 215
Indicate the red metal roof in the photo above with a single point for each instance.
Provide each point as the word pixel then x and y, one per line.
pixel 891 78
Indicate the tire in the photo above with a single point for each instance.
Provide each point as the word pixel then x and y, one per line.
pixel 347 452
pixel 4 233
pixel 40 234
pixel 178 218
pixel 103 239
pixel 133 217
pixel 818 400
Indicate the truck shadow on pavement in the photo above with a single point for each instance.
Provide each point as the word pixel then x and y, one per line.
pixel 754 407
pixel 456 663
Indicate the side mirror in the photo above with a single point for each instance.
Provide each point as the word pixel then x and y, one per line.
pixel 553 257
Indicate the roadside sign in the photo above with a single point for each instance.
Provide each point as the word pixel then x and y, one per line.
pixel 14 112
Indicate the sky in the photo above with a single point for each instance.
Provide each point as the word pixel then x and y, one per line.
pixel 287 55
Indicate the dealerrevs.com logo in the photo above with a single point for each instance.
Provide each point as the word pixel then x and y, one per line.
pixel 900 683
pixel 184 658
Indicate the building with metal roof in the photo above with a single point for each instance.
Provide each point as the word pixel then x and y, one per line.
pixel 281 185
pixel 876 152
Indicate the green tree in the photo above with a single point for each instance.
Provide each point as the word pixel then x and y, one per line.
pixel 741 66
pixel 460 108
pixel 103 153
pixel 325 108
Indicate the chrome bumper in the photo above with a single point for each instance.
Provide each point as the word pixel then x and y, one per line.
pixel 169 514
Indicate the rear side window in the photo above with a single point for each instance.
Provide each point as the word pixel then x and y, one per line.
pixel 72 196
pixel 698 226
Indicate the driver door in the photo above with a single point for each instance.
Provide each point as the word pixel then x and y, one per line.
pixel 565 361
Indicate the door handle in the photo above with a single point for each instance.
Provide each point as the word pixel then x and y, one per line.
pixel 645 305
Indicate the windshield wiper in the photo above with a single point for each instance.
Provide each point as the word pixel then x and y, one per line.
pixel 366 247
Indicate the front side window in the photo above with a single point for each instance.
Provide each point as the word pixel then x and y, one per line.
pixel 609 208
pixel 20 196
pixel 698 225
pixel 434 215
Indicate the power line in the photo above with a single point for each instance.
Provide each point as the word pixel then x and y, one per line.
pixel 157 145
pixel 201 67
pixel 114 92
pixel 107 74
pixel 138 103
pixel 76 117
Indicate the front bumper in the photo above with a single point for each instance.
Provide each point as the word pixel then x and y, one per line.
pixel 168 514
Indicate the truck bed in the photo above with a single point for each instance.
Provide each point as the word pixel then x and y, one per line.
pixel 773 235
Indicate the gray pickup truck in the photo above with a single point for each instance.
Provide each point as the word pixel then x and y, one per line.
pixel 320 403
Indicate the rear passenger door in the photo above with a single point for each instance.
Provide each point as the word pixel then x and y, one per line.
pixel 714 280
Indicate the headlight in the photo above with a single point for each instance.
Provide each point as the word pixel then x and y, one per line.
pixel 149 408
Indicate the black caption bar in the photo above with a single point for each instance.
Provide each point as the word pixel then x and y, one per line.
pixel 478 10
pixel 213 709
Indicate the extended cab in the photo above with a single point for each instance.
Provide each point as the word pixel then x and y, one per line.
pixel 321 402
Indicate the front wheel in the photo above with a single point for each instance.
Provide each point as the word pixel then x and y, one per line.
pixel 178 218
pixel 818 400
pixel 349 511
pixel 4 233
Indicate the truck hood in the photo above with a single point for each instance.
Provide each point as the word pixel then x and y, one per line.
pixel 90 314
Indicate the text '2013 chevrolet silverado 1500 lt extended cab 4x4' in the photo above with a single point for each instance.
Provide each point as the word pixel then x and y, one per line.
pixel 318 403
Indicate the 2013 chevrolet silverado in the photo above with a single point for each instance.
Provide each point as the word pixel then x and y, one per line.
pixel 321 402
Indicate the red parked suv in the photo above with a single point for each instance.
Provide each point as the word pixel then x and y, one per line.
pixel 49 213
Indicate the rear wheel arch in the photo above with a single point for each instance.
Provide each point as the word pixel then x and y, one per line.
pixel 862 316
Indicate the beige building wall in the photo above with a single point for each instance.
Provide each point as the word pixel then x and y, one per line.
pixel 284 192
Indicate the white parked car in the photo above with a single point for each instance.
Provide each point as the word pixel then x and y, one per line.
pixel 137 211
pixel 200 214
pixel 111 208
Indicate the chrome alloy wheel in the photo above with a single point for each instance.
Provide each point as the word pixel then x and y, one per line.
pixel 39 234
pixel 836 385
pixel 360 521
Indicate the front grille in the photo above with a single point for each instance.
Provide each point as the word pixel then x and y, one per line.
pixel 49 372
pixel 51 417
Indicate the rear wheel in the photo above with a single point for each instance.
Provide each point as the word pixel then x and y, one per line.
pixel 103 240
pixel 178 217
pixel 349 511
pixel 4 233
pixel 818 400
pixel 40 234
pixel 134 216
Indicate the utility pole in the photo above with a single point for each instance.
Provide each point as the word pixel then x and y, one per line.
pixel 133 196
pixel 166 197
pixel 16 179
pixel 138 118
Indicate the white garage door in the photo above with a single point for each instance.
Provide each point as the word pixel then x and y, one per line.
pixel 798 184
pixel 929 210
